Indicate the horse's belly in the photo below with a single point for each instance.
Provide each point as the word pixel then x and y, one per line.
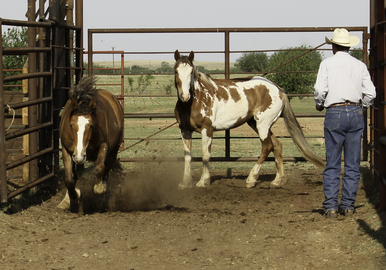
pixel 230 117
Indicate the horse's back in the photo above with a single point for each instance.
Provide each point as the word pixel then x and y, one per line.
pixel 110 113
pixel 108 101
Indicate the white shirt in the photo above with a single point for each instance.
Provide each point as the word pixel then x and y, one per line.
pixel 342 78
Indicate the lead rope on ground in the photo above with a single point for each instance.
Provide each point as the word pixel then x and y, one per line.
pixel 148 137
pixel 10 110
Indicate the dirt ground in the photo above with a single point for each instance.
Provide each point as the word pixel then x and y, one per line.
pixel 146 222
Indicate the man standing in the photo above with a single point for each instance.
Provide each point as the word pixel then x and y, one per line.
pixel 344 87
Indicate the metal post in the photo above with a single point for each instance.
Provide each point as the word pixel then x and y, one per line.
pixel 113 48
pixel 122 80
pixel 365 142
pixel 227 65
pixel 380 103
pixel 90 53
pixel 3 170
pixel 79 19
pixel 32 91
pixel 79 37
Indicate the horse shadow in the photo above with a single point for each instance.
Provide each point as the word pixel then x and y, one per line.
pixel 239 180
pixel 35 196
pixel 372 195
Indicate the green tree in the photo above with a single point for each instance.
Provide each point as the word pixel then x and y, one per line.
pixel 136 69
pixel 253 62
pixel 168 87
pixel 165 68
pixel 357 53
pixel 143 82
pixel 14 37
pixel 297 80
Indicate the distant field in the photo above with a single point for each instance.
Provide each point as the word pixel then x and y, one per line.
pixel 153 64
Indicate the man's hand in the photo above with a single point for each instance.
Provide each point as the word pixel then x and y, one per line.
pixel 319 107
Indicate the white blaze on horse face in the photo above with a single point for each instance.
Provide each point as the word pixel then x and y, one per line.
pixel 79 154
pixel 184 72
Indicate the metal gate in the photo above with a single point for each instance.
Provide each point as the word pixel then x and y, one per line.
pixel 378 123
pixel 51 73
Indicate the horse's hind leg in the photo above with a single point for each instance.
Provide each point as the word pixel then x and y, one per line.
pixel 100 169
pixel 280 178
pixel 267 147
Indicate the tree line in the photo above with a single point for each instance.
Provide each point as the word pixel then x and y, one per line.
pixel 294 69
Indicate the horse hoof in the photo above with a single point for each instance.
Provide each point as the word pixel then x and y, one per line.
pixel 184 186
pixel 100 189
pixel 251 184
pixel 275 185
pixel 278 183
pixel 64 205
pixel 203 184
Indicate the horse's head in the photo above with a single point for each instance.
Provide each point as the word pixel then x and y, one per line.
pixel 81 124
pixel 184 75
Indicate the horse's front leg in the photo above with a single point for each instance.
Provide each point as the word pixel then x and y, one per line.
pixel 100 167
pixel 206 148
pixel 187 141
pixel 71 199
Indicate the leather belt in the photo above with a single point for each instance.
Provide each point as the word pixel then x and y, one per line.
pixel 343 104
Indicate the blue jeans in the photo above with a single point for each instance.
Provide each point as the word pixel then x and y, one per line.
pixel 343 128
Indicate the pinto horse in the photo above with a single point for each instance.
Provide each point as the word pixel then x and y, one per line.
pixel 91 128
pixel 206 105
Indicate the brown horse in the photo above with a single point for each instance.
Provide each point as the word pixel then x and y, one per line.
pixel 206 105
pixel 91 128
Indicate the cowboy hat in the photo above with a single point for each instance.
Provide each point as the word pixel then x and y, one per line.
pixel 342 37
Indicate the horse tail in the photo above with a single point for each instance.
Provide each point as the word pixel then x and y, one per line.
pixel 297 135
pixel 83 88
pixel 117 167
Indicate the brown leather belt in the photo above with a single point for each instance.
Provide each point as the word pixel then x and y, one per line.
pixel 343 104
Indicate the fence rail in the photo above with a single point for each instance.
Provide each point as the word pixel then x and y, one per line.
pixel 227 52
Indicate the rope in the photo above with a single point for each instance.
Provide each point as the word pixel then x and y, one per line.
pixel 10 110
pixel 148 137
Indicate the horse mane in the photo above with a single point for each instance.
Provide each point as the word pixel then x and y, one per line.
pixel 81 95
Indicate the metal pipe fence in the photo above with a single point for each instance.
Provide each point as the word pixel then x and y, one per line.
pixel 227 73
pixel 41 76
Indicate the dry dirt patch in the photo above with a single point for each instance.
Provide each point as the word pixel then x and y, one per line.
pixel 145 222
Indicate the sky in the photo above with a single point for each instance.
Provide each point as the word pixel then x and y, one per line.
pixel 208 14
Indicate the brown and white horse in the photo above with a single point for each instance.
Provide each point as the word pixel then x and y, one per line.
pixel 91 128
pixel 206 105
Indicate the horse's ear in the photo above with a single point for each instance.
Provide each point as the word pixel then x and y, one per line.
pixel 92 104
pixel 191 56
pixel 73 103
pixel 177 55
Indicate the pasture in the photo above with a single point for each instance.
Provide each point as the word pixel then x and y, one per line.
pixel 145 222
